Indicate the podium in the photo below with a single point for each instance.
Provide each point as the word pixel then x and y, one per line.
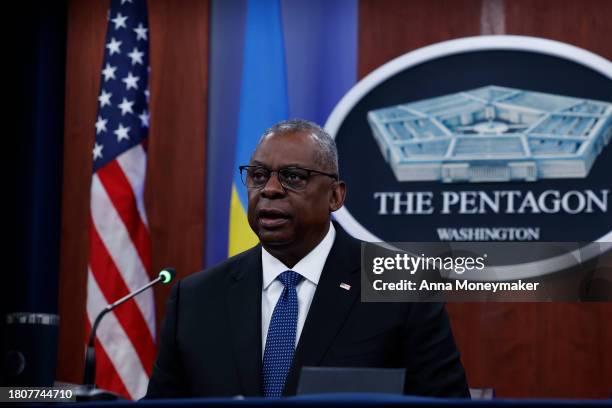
pixel 359 400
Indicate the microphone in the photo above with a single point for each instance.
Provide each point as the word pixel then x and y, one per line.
pixel 165 276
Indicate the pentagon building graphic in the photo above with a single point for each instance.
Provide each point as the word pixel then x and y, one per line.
pixel 492 134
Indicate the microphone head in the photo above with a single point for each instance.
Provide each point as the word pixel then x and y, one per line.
pixel 167 275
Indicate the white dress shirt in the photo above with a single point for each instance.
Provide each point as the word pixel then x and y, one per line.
pixel 310 267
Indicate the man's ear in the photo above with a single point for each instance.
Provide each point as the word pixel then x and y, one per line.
pixel 338 192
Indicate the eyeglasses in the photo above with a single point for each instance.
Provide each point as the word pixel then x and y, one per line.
pixel 292 178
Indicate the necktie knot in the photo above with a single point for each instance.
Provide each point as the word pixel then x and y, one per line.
pixel 290 279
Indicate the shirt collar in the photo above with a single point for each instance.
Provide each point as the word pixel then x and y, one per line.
pixel 310 267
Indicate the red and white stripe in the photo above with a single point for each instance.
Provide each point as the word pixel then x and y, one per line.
pixel 120 262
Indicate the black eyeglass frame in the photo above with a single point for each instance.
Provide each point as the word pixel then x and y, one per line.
pixel 309 171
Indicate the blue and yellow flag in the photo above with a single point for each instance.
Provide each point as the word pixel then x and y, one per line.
pixel 263 102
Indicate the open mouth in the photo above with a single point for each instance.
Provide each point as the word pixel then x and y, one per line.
pixel 272 218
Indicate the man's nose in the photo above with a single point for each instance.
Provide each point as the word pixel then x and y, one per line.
pixel 273 186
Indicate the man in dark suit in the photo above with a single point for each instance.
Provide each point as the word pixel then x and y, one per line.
pixel 248 325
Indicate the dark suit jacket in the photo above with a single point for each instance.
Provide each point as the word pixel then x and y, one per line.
pixel 210 341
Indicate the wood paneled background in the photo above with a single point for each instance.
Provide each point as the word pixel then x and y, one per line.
pixel 174 190
pixel 519 349
pixel 528 349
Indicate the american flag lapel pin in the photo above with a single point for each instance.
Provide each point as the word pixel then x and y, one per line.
pixel 345 286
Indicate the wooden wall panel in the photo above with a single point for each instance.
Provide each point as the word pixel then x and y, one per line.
pixel 390 28
pixel 536 349
pixel 520 349
pixel 584 23
pixel 84 54
pixel 174 191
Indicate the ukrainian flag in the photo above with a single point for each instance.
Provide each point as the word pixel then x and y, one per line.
pixel 263 102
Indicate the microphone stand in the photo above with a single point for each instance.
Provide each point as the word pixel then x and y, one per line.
pixel 88 391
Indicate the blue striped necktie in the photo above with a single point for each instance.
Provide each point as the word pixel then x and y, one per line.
pixel 280 342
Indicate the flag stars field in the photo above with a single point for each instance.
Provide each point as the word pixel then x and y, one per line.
pixel 136 56
pixel 114 46
pixel 101 125
pixel 130 81
pixel 119 21
pixel 104 98
pixel 122 133
pixel 97 151
pixel 109 72
pixel 141 32
pixel 126 106
pixel 144 118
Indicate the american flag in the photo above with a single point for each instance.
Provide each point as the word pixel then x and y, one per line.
pixel 119 241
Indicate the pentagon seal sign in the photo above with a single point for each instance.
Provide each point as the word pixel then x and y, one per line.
pixel 492 134
pixel 489 138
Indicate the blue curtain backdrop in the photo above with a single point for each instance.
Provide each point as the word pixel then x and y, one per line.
pixel 40 72
pixel 321 59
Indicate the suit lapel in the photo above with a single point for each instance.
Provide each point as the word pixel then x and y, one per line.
pixel 330 305
pixel 244 309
